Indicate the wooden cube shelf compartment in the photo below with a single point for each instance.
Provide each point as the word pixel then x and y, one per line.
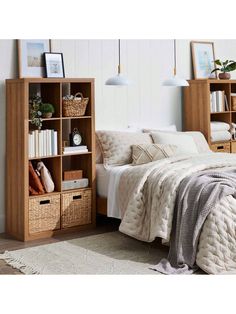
pixel 197 113
pixel 32 217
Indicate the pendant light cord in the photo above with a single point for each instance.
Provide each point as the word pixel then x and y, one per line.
pixel 119 56
pixel 175 57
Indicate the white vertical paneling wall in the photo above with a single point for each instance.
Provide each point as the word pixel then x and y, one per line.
pixel 146 62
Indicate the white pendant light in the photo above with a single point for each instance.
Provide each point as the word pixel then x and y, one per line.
pixel 175 80
pixel 119 79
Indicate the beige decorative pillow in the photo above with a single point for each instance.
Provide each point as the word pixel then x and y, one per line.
pixel 116 146
pixel 145 153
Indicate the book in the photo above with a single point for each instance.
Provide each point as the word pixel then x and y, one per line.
pixel 55 148
pixel 74 148
pixel 80 151
pixel 226 104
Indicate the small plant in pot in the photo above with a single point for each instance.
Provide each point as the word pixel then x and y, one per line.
pixel 47 110
pixel 35 112
pixel 224 67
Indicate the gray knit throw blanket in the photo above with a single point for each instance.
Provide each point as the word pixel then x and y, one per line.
pixel 197 195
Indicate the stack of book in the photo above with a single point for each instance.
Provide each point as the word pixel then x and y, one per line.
pixel 218 101
pixel 75 149
pixel 42 143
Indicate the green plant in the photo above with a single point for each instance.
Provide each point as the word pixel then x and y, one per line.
pixel 225 66
pixel 35 111
pixel 47 108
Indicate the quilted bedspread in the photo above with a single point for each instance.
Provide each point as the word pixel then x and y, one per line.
pixel 147 198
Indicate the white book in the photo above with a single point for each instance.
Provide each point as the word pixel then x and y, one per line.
pixel 40 143
pixel 50 142
pixel 55 148
pixel 36 141
pixel 29 146
pixel 32 144
pixel 74 148
pixel 75 152
pixel 44 143
pixel 213 102
pixel 233 94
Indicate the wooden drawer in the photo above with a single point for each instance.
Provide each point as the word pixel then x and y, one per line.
pixel 233 147
pixel 76 208
pixel 44 213
pixel 221 147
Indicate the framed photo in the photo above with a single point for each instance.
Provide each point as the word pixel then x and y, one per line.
pixel 30 57
pixel 54 64
pixel 203 56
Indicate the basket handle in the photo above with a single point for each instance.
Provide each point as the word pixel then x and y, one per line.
pixel 80 94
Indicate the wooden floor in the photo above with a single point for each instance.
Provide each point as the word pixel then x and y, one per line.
pixel 9 244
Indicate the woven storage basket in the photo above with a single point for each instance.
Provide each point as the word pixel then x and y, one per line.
pixel 233 103
pixel 75 107
pixel 76 208
pixel 44 213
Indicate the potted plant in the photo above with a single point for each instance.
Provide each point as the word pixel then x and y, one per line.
pixel 225 67
pixel 35 112
pixel 47 110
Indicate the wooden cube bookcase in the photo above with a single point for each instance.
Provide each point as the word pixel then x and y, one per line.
pixel 33 217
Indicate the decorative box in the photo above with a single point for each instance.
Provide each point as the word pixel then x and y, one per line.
pixel 74 184
pixel 73 175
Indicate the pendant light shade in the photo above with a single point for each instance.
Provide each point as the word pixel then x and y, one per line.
pixel 175 81
pixel 119 79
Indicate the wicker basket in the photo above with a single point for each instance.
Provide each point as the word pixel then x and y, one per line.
pixel 44 213
pixel 76 208
pixel 233 103
pixel 75 107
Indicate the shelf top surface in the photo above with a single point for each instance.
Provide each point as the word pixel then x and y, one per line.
pixel 50 80
pixel 212 81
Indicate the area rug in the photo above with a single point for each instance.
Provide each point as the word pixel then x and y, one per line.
pixel 107 253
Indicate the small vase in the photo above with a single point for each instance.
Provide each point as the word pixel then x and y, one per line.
pixel 47 115
pixel 224 76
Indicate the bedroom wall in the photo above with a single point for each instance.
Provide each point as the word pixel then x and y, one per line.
pixel 146 62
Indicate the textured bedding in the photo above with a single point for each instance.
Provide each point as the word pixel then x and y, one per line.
pixel 147 199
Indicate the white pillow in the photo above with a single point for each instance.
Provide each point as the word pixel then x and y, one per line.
pixel 170 128
pixel 200 141
pixel 185 143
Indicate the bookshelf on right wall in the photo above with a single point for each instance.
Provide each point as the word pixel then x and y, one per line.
pixel 210 107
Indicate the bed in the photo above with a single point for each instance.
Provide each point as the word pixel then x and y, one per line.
pixel 143 196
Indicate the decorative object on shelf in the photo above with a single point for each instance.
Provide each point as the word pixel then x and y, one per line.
pixel 233 130
pixel 75 184
pixel 72 175
pixel 46 177
pixel 54 65
pixel 233 101
pixel 35 185
pixel 35 112
pixel 224 67
pixel 42 143
pixel 119 79
pixel 47 110
pixel 74 106
pixel 203 56
pixel 69 150
pixel 75 138
pixel 175 81
pixel 30 57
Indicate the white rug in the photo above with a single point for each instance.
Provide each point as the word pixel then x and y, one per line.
pixel 108 253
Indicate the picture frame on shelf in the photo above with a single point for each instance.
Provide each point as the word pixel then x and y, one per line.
pixel 54 65
pixel 30 56
pixel 203 57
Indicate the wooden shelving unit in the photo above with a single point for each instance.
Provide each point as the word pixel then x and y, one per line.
pixel 197 114
pixel 20 207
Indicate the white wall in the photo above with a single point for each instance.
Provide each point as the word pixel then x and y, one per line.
pixel 146 62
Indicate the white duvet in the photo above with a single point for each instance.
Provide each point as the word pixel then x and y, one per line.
pixel 147 198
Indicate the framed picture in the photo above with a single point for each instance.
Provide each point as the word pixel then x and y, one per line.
pixel 54 64
pixel 30 57
pixel 203 56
